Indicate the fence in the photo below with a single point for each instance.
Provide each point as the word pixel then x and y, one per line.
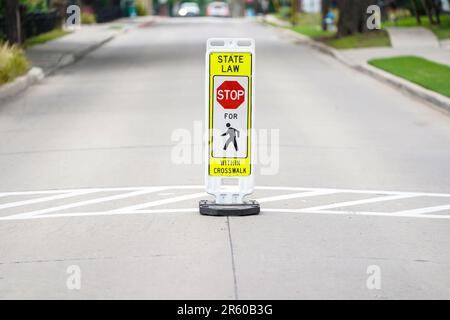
pixel 33 24
pixel 36 23
pixel 106 14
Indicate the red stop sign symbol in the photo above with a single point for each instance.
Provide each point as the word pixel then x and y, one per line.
pixel 230 94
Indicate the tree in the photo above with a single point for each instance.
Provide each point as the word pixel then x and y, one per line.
pixel 416 11
pixel 12 20
pixel 353 16
pixel 326 4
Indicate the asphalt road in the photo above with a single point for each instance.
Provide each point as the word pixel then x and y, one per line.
pixel 88 179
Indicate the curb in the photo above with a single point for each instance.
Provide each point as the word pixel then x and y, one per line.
pixel 71 58
pixel 36 74
pixel 414 90
pixel 21 83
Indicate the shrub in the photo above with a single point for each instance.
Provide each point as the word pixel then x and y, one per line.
pixel 88 18
pixel 141 10
pixel 35 5
pixel 13 63
pixel 285 12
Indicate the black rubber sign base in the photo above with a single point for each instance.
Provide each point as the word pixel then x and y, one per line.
pixel 210 208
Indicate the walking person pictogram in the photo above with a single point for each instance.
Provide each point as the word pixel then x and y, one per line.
pixel 232 132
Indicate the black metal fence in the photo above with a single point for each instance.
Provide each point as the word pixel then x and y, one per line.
pixel 106 14
pixel 2 29
pixel 36 23
pixel 33 23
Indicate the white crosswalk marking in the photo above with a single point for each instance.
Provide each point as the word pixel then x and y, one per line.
pixel 295 196
pixel 357 202
pixel 160 202
pixel 424 210
pixel 44 199
pixel 84 203
pixel 167 199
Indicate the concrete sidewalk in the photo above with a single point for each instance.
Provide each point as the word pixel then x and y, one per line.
pixel 415 41
pixel 412 37
pixel 48 57
pixel 65 50
pixel 362 56
pixel 358 60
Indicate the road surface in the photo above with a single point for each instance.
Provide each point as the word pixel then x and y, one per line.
pixel 356 192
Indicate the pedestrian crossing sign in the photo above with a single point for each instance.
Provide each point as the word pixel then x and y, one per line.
pixel 230 98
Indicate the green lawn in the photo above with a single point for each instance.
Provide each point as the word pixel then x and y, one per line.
pixel 313 31
pixel 310 25
pixel 45 37
pixel 428 74
pixel 442 31
pixel 367 40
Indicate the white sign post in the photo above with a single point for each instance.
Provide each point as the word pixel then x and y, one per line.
pixel 229 172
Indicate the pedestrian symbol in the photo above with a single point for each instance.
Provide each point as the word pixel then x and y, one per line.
pixel 232 133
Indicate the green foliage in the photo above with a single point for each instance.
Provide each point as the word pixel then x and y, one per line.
pixel 13 63
pixel 428 74
pixel 284 13
pixel 141 10
pixel 359 40
pixel 88 18
pixel 35 5
pixel 45 37
pixel 313 31
pixel 442 31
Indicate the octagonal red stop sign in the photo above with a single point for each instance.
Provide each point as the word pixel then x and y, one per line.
pixel 230 94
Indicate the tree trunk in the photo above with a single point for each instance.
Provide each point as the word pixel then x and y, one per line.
pixel 425 4
pixel 325 8
pixel 437 10
pixel 12 20
pixel 353 16
pixel 416 11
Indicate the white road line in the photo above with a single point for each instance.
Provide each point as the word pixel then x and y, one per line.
pixel 424 211
pixel 357 202
pixel 44 199
pixel 306 194
pixel 101 213
pixel 195 210
pixel 360 213
pixel 19 193
pixel 377 192
pixel 160 202
pixel 84 203
pixel 189 187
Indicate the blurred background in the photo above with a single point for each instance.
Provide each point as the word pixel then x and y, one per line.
pixel 24 19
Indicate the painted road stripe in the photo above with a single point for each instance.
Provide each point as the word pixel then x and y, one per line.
pixel 160 202
pixel 424 211
pixel 295 196
pixel 101 213
pixel 84 203
pixel 43 199
pixel 192 187
pixel 195 210
pixel 140 208
pixel 337 190
pixel 360 213
pixel 357 202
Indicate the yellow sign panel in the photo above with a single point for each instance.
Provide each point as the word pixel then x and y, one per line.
pixel 230 113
